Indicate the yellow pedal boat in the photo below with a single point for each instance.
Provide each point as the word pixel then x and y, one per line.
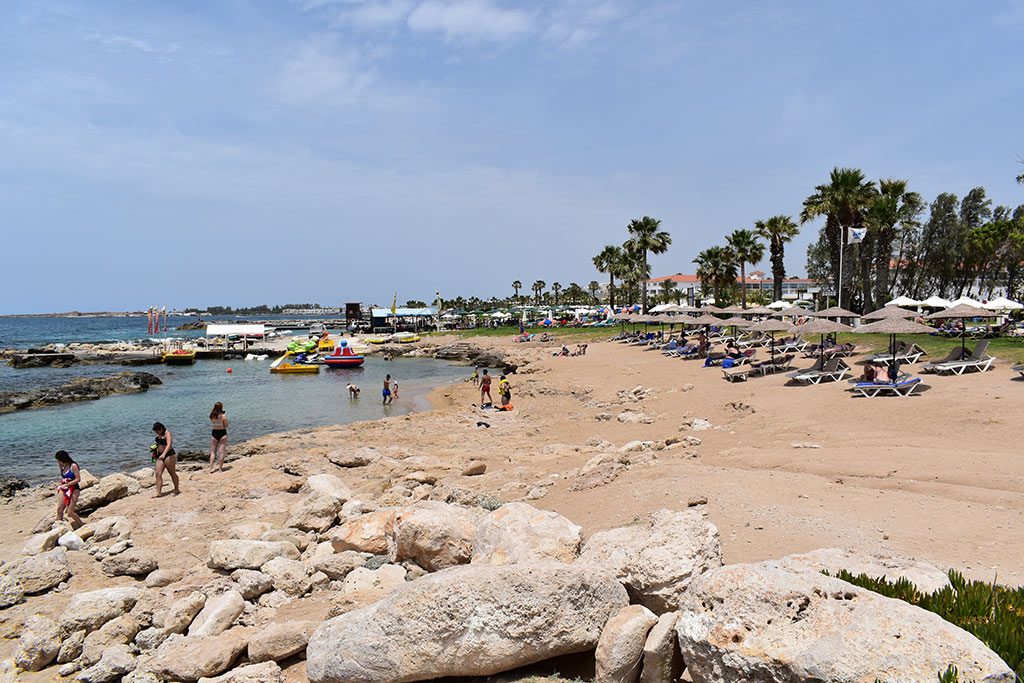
pixel 179 357
pixel 280 367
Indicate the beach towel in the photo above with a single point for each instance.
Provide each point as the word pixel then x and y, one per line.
pixel 728 363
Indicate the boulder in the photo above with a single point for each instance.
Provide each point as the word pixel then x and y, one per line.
pixel 217 615
pixel 251 583
pixel 266 672
pixel 109 527
pixel 474 469
pixel 327 485
pixel 184 610
pixel 188 659
pixel 89 611
pixel 434 534
pixel 290 576
pixel 109 488
pixel 338 565
pixel 163 577
pixel 71 541
pixel 359 457
pixel 384 578
pixel 87 479
pixel 280 641
pixel 466 621
pixel 620 649
pixel 37 573
pixel 249 531
pixel 520 533
pixel 40 543
pixel 132 562
pixel 71 647
pixel 293 536
pixel 151 638
pixel 662 662
pixel 11 591
pixel 926 577
pixel 238 554
pixel 119 631
pixel 315 512
pixel 761 623
pixel 656 559
pixel 38 645
pixel 115 662
pixel 366 534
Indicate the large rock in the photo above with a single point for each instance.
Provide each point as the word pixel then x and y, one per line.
pixel 434 534
pixel 315 512
pixel 110 488
pixel 118 631
pixel 39 643
pixel 358 457
pixel 762 623
pixel 662 662
pixel 466 621
pixel 657 559
pixel 328 485
pixel 338 565
pixel 367 534
pixel 265 672
pixel 183 611
pixel 290 576
pixel 132 562
pixel 520 533
pixel 217 614
pixel 251 583
pixel 383 578
pixel 188 659
pixel 280 641
pixel 89 611
pixel 621 647
pixel 115 662
pixel 109 527
pixel 926 577
pixel 249 530
pixel 37 573
pixel 40 543
pixel 11 591
pixel 239 554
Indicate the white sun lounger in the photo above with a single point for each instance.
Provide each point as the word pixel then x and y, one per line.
pixel 904 388
pixel 978 360
pixel 833 370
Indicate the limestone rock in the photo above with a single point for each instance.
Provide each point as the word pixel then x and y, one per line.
pixel 280 641
pixel 327 485
pixel 118 631
pixel 251 583
pixel 761 623
pixel 384 578
pixel 132 562
pixel 520 533
pixel 217 615
pixel 359 457
pixel 87 479
pixel 474 468
pixel 434 534
pixel 71 647
pixel 657 559
pixel 293 536
pixel 11 591
pixel 366 534
pixel 37 573
pixel 116 661
pixel 107 528
pixel 188 659
pixel 150 638
pixel 238 554
pixel 38 645
pixel 89 611
pixel 71 541
pixel 40 543
pixel 109 488
pixel 620 649
pixel 927 578
pixel 315 512
pixel 344 603
pixel 163 577
pixel 249 531
pixel 662 662
pixel 338 565
pixel 266 672
pixel 183 612
pixel 466 621
pixel 290 576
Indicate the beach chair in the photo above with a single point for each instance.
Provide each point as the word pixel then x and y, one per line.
pixel 832 370
pixel 908 355
pixel 886 356
pixel 780 364
pixel 978 360
pixel 842 351
pixel 814 368
pixel 1019 369
pixel 737 373
pixel 903 388
pixel 955 354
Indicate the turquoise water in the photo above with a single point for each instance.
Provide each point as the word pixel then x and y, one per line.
pixel 114 433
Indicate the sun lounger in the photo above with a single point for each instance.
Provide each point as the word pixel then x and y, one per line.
pixel 886 356
pixel 737 373
pixel 833 370
pixel 978 360
pixel 905 356
pixel 872 389
pixel 1019 369
pixel 955 354
pixel 780 364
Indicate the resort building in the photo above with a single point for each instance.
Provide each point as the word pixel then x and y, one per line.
pixel 689 286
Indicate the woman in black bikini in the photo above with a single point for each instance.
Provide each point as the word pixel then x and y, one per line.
pixel 219 435
pixel 67 492
pixel 165 457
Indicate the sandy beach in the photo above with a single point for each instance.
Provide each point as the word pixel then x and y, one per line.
pixel 784 469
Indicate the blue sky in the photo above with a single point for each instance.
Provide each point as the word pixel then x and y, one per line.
pixel 194 153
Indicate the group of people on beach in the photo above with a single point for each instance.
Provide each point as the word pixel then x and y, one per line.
pixel 484 382
pixel 162 454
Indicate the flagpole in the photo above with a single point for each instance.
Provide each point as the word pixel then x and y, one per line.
pixel 839 285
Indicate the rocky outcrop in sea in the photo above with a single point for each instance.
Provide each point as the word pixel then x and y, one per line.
pixel 82 389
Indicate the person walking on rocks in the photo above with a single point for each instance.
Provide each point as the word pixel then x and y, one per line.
pixel 485 389
pixel 387 390
pixel 219 435
pixel 165 458
pixel 67 492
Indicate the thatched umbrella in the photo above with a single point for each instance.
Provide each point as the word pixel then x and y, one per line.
pixel 758 310
pixel 890 312
pixel 822 326
pixel 892 327
pixel 732 309
pixel 735 322
pixel 771 326
pixel 710 309
pixel 963 312
pixel 833 312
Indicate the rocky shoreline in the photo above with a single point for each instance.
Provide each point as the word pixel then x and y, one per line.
pixel 80 389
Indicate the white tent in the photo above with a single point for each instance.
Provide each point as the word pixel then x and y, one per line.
pixel 903 301
pixel 934 302
pixel 779 305
pixel 1003 304
pixel 659 308
pixel 242 330
pixel 966 300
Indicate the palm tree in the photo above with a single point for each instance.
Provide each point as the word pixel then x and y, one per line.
pixel 537 288
pixel 593 287
pixel 745 249
pixel 777 230
pixel 843 202
pixel 646 236
pixel 894 206
pixel 716 266
pixel 557 287
pixel 517 285
pixel 610 261
pixel 668 286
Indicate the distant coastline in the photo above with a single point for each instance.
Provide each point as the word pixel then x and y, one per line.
pixel 78 314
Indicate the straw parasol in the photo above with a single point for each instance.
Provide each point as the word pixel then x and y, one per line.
pixel 710 309
pixel 893 326
pixel 758 310
pixel 771 326
pixel 822 326
pixel 732 309
pixel 963 312
pixel 889 312
pixel 833 312
pixel 735 322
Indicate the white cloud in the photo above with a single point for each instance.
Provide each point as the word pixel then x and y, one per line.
pixel 470 19
pixel 380 14
pixel 318 72
pixel 117 40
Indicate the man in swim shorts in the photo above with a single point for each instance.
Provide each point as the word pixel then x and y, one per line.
pixel 485 389
pixel 387 390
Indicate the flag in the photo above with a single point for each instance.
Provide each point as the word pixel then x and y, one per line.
pixel 165 319
pixel 856 235
pixel 394 304
pixel 149 327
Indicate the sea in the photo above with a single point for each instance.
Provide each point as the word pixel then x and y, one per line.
pixel 114 433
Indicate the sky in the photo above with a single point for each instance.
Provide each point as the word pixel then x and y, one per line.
pixel 242 152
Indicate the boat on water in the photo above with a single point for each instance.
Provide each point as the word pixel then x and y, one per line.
pixel 179 357
pixel 344 357
pixel 306 345
pixel 378 339
pixel 282 368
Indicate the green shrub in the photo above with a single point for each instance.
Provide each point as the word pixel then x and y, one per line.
pixel 994 614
